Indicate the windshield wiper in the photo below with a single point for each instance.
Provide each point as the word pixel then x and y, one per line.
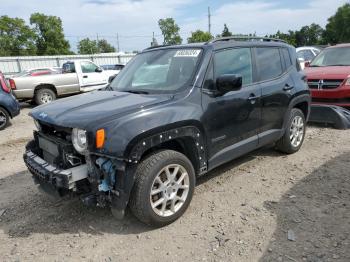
pixel 108 87
pixel 136 92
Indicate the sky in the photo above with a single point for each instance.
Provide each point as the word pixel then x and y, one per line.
pixel 134 21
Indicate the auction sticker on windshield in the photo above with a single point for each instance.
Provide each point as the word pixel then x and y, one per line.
pixel 187 53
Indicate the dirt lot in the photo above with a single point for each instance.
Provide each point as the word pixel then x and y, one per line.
pixel 243 211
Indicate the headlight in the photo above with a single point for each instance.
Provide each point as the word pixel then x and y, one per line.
pixel 79 140
pixel 347 82
pixel 37 124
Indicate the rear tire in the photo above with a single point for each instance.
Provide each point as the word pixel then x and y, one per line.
pixel 163 188
pixel 294 134
pixel 44 96
pixel 4 118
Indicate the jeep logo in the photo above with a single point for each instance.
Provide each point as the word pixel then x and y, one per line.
pixel 43 115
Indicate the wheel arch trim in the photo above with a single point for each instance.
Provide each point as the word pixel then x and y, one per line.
pixel 142 143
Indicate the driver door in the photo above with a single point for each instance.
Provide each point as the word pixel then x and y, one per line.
pixel 90 76
pixel 232 120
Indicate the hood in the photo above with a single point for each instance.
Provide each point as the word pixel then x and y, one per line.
pixel 90 109
pixel 327 72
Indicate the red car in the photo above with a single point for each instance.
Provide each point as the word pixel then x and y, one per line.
pixel 328 76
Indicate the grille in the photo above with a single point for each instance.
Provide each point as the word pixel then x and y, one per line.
pixel 324 83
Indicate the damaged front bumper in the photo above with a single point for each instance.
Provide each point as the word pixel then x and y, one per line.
pixel 47 173
pixel 101 181
pixel 54 181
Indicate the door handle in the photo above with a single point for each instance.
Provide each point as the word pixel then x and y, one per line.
pixel 252 98
pixel 288 87
pixel 85 76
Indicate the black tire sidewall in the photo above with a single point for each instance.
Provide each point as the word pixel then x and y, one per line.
pixel 2 110
pixel 145 189
pixel 39 93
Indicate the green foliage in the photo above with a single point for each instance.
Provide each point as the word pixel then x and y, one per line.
pixel 338 27
pixel 87 46
pixel 16 38
pixel 307 35
pixel 226 31
pixel 105 47
pixel 170 31
pixel 49 35
pixel 199 36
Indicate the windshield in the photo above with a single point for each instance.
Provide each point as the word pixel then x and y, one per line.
pixel 158 71
pixel 335 56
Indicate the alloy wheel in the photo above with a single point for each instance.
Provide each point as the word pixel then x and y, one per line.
pixel 3 119
pixel 46 98
pixel 169 190
pixel 297 131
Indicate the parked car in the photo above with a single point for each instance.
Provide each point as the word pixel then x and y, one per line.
pixel 329 76
pixel 144 140
pixel 305 54
pixel 76 77
pixel 38 72
pixel 9 107
pixel 114 67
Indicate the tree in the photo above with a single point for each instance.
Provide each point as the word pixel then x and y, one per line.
pixel 87 46
pixel 309 35
pixel 338 27
pixel 170 31
pixel 199 36
pixel 226 31
pixel 16 38
pixel 104 47
pixel 49 35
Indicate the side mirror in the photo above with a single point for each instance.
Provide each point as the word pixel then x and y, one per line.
pixel 98 70
pixel 111 78
pixel 229 82
pixel 307 63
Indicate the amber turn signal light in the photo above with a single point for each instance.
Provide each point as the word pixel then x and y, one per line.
pixel 100 138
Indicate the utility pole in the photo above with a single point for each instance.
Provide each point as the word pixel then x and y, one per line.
pixel 98 48
pixel 118 42
pixel 209 24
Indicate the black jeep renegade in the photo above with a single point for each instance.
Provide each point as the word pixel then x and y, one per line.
pixel 172 114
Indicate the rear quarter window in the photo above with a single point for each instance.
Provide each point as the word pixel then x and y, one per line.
pixel 286 58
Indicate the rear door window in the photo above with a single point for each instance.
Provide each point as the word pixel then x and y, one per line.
pixel 68 68
pixel 269 63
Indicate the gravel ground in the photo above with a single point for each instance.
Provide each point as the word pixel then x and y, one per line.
pixel 265 206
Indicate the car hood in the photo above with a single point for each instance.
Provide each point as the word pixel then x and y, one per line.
pixel 88 110
pixel 327 72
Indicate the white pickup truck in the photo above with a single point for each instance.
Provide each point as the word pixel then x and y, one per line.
pixel 77 77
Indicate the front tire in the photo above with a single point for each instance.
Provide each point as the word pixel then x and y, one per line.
pixel 4 118
pixel 163 188
pixel 294 135
pixel 44 96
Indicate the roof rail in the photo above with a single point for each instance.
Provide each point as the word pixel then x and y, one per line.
pixel 155 46
pixel 246 38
